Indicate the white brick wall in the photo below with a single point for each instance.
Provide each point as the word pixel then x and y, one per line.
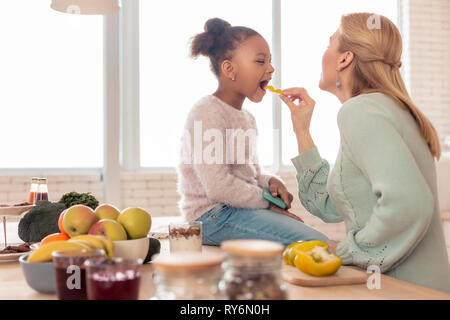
pixel 429 34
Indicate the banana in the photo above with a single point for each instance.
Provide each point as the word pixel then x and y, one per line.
pixel 92 241
pixel 44 253
pixel 109 245
pixel 84 242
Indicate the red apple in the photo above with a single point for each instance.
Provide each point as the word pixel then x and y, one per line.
pixel 78 220
pixel 107 211
pixel 109 228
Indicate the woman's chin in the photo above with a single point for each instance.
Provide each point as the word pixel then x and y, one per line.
pixel 324 87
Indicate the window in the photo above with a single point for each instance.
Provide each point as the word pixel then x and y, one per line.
pixel 306 28
pixel 52 87
pixel 171 82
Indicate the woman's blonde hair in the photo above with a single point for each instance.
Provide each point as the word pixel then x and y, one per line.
pixel 377 47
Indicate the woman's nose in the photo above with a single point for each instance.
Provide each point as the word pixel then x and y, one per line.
pixel 271 68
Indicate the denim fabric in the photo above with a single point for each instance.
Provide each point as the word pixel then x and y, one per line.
pixel 226 223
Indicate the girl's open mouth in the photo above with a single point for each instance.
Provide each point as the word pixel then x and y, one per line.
pixel 263 84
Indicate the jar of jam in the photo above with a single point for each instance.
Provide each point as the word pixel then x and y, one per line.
pixel 42 191
pixel 253 270
pixel 33 190
pixel 188 276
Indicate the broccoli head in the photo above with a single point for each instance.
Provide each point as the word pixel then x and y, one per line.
pixel 40 221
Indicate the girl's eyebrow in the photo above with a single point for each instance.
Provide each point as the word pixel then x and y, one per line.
pixel 263 54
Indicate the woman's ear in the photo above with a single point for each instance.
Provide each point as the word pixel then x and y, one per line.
pixel 228 69
pixel 345 59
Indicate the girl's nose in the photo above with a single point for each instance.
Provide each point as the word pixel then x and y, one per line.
pixel 271 68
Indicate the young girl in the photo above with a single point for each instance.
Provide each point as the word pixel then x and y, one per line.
pixel 220 181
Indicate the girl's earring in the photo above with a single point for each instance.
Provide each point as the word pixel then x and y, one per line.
pixel 338 83
pixel 234 78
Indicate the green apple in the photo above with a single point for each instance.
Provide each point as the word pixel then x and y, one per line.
pixel 106 211
pixel 110 229
pixel 136 221
pixel 78 219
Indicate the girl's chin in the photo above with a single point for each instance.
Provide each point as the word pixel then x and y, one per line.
pixel 258 96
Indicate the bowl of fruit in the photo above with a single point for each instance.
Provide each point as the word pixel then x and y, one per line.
pixel 127 229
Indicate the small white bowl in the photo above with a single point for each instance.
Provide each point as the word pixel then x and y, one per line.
pixel 132 249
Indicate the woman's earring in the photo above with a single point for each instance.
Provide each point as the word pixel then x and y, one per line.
pixel 234 78
pixel 338 83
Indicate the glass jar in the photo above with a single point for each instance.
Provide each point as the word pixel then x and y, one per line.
pixel 253 270
pixel 42 191
pixel 33 190
pixel 188 276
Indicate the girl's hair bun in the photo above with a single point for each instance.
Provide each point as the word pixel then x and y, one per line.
pixel 218 41
pixel 216 26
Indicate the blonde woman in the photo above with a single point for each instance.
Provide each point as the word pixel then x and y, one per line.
pixel 383 184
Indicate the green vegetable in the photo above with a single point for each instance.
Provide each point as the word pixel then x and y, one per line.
pixel 40 221
pixel 73 198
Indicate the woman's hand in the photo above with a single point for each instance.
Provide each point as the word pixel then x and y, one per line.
pixel 276 209
pixel 276 187
pixel 301 114
pixel 302 107
pixel 332 245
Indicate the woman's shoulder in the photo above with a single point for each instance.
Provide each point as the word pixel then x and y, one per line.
pixel 373 106
pixel 370 100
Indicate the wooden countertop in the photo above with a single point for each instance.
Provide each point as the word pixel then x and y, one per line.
pixel 14 286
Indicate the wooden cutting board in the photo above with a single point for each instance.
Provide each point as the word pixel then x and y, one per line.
pixel 344 276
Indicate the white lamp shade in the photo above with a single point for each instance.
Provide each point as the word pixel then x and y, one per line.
pixel 86 6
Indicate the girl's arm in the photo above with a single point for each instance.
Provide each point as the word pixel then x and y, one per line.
pixel 222 186
pixel 405 204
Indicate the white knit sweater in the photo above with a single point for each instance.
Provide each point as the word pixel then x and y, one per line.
pixel 211 169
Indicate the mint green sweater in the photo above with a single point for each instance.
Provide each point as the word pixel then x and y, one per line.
pixel 383 186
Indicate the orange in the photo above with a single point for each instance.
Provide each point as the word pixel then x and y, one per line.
pixel 55 237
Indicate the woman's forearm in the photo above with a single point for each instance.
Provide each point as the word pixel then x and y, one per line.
pixel 305 141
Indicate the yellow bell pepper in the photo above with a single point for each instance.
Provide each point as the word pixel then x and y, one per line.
pixel 272 89
pixel 312 257
pixel 289 254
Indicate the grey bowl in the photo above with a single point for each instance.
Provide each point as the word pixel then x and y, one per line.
pixel 39 276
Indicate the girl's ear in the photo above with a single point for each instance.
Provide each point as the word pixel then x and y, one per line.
pixel 228 69
pixel 345 59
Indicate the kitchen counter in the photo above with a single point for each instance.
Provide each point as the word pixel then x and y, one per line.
pixel 14 286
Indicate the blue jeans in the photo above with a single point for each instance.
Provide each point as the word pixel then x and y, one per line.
pixel 225 223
